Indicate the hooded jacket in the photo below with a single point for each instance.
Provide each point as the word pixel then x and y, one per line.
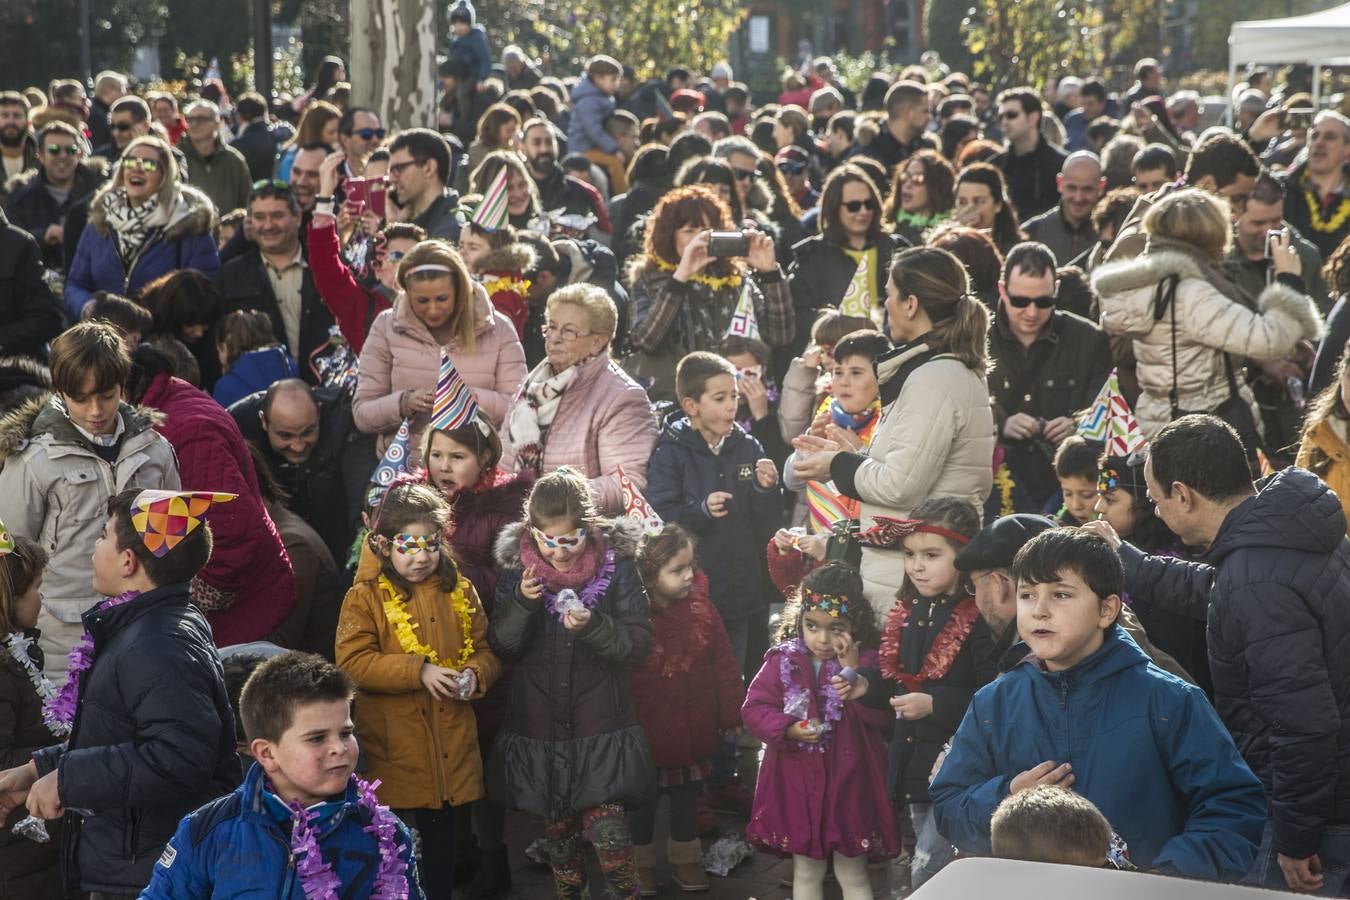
pixel 30 313
pixel 586 131
pixel 1145 747
pixel 503 273
pixel 256 370
pixel 1273 585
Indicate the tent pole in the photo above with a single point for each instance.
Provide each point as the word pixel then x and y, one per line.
pixel 1232 81
pixel 1317 86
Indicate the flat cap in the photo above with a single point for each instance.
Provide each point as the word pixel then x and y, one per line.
pixel 998 542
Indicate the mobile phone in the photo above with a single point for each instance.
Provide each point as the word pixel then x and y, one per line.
pixel 1273 237
pixel 369 192
pixel 1298 119
pixel 728 243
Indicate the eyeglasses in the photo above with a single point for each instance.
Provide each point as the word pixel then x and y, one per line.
pixel 122 126
pixel 788 168
pixel 395 168
pixel 199 120
pixel 856 205
pixel 570 539
pixel 367 134
pixel 1045 302
pixel 1009 114
pixel 139 164
pixel 566 333
pixel 413 544
pixel 915 178
pixel 745 174
pixel 58 149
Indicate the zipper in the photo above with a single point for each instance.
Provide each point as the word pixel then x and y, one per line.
pixel 140 251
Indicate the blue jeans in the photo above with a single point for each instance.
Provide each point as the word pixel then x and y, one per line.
pixel 932 851
pixel 724 758
pixel 1333 851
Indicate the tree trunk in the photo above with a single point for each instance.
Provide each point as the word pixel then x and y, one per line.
pixel 393 64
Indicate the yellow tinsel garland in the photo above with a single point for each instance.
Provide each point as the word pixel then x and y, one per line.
pixel 1004 482
pixel 396 611
pixel 507 283
pixel 1315 214
pixel 714 282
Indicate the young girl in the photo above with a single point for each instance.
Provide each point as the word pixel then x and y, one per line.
pixel 819 791
pixel 413 637
pixel 27 868
pixel 500 261
pixel 571 615
pixel 934 655
pixel 688 691
pixel 250 356
pixel 1325 448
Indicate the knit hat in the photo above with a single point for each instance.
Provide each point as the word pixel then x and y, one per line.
pixel 463 11
pixel 721 70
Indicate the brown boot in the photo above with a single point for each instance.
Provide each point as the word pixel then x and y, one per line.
pixel 686 861
pixel 645 855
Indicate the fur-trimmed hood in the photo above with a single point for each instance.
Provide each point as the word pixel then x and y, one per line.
pixel 623 534
pixel 194 213
pixel 513 258
pixel 21 378
pixel 89 174
pixel 46 415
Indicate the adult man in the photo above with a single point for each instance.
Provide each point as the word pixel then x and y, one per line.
pixel 829 76
pixel 40 202
pixel 838 145
pixel 30 313
pixel 359 132
pixel 1067 228
pixel 1317 191
pixel 521 74
pixel 420 169
pixel 1030 163
pixel 557 189
pixel 1272 583
pixel 1148 82
pixel 1047 365
pixel 742 155
pixel 316 453
pixel 274 277
pixel 129 119
pixel 256 139
pixel 305 186
pixel 17 151
pixel 109 87
pixel 217 170
pixel 1153 167
pixel 795 166
pixel 1093 104
pixel 825 102
pixel 906 132
pixel 1185 109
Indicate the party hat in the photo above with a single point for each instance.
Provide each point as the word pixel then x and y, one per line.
pixel 392 464
pixel 6 541
pixel 743 322
pixel 163 518
pixel 636 506
pixel 1094 424
pixel 455 405
pixel 491 212
pixel 1112 422
pixel 664 111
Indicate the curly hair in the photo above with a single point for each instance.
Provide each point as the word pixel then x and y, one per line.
pixel 691 204
pixel 840 580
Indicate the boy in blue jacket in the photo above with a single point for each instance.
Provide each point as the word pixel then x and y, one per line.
pixel 470 42
pixel 1089 710
pixel 296 709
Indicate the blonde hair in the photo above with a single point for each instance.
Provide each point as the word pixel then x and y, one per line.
pixel 436 252
pixel 168 188
pixel 938 279
pixel 1192 216
pixel 602 316
pixel 1049 824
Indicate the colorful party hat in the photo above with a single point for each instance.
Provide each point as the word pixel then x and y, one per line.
pixel 743 321
pixel 491 212
pixel 163 518
pixel 6 541
pixel 392 464
pixel 636 506
pixel 1094 424
pixel 1112 422
pixel 455 405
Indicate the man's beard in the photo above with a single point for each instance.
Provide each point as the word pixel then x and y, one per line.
pixel 543 163
pixel 12 136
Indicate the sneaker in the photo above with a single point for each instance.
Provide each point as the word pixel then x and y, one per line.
pixel 732 797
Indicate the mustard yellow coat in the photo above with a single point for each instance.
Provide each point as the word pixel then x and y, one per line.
pixel 1327 456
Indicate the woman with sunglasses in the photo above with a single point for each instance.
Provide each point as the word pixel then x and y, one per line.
pixel 921 195
pixel 982 202
pixel 142 225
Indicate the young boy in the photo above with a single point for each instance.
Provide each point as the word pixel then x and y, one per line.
pixel 592 104
pixel 61 456
pixel 296 709
pixel 152 733
pixel 1076 469
pixel 1048 823
pixel 1090 711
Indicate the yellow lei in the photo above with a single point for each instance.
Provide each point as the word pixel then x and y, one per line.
pixel 714 282
pixel 1004 482
pixel 507 283
pixel 396 611
pixel 1315 214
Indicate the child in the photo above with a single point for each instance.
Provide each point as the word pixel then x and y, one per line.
pixel 151 732
pixel 128 317
pixel 250 356
pixel 572 617
pixel 1050 824
pixel 807 382
pixel 413 637
pixel 1076 469
pixel 757 412
pixel 301 822
pixel 1089 707
pixel 27 868
pixel 688 691
pixel 819 795
pixel 592 103
pixel 497 259
pixel 469 44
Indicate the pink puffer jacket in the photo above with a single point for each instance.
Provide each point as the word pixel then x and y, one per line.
pixel 400 354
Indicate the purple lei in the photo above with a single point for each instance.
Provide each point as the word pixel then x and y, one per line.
pixel 60 710
pixel 797 699
pixel 317 879
pixel 591 593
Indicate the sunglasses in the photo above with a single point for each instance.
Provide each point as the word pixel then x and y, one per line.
pixel 745 174
pixel 121 126
pixel 855 205
pixel 788 168
pixel 136 164
pixel 413 544
pixel 57 150
pixel 562 541
pixel 916 178
pixel 367 134
pixel 1010 114
pixel 199 120
pixel 1045 302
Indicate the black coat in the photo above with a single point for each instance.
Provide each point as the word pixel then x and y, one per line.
pixel 820 274
pixel 244 284
pixel 1032 177
pixel 1274 585
pixel 258 143
pixel 34 210
pixel 29 315
pixel 153 739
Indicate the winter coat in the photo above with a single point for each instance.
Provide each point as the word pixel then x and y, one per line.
pixel 604 421
pixel 33 209
pixel 571 740
pixel 558 190
pixel 352 305
pixel 816 803
pixel 1065 241
pixel 1273 584
pixel 1145 747
pixel 473 48
pixel 55 489
pixel 244 284
pixel 1032 178
pixel 1209 325
pixel 248 587
pixel 185 243
pixel 443 218
pixel 423 750
pixel 1326 453
pixel 503 275
pixel 257 143
pixel 493 368
pixel 683 473
pixel 256 370
pixel 590 107
pixel 820 274
pixel 30 313
pixel 689 690
pixel 223 176
pixel 234 848
pixel 153 737
pixel 935 439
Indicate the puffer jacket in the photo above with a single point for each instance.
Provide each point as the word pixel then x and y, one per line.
pixel 1273 585
pixel 1209 324
pixel 400 354
pixel 1325 451
pixel 571 740
pixel 935 439
pixel 256 370
pixel 586 131
pixel 30 313
pixel 55 489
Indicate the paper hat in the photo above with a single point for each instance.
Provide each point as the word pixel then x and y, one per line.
pixel 455 406
pixel 636 506
pixel 163 518
pixel 743 322
pixel 6 542
pixel 664 111
pixel 491 212
pixel 392 464
pixel 1112 422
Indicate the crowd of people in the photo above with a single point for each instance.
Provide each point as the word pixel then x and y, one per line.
pixel 914 474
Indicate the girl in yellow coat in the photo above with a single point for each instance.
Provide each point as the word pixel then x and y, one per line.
pixel 413 637
pixel 1325 448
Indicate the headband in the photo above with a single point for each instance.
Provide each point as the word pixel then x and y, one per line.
pixel 431 267
pixel 888 533
pixel 835 605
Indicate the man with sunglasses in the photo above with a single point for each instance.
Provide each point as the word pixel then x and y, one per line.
pixel 40 202
pixel 1030 163
pixel 216 169
pixel 1047 365
pixel 794 164
pixel 128 120
pixel 359 132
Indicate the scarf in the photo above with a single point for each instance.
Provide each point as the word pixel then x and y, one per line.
pixel 131 225
pixel 681 632
pixel 576 577
pixel 824 505
pixel 528 422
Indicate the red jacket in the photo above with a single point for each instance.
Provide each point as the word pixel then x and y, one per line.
pixel 690 689
pixel 248 561
pixel 353 307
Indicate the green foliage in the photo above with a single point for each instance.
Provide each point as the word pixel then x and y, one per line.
pixel 942 32
pixel 39 38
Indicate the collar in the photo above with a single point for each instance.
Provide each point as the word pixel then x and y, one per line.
pixel 1306 182
pixel 1069 226
pixel 1005 327
pixel 297 260
pixel 102 440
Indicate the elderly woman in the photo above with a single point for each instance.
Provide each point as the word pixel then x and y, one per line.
pixel 142 225
pixel 603 417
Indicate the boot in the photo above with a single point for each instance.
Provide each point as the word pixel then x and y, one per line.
pixel 466 856
pixel 645 854
pixel 686 860
pixel 492 880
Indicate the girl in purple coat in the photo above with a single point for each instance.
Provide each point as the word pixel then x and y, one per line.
pixel 821 788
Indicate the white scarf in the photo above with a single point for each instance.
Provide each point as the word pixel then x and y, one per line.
pixel 533 413
pixel 131 225
pixel 17 644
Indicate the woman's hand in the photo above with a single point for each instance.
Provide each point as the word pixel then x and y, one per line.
pixel 695 257
pixel 576 619
pixel 1284 256
pixel 370 223
pixel 784 539
pixel 813 545
pixel 761 256
pixel 531 588
pixel 813 457
pixel 418 400
pixel 912 706
pixel 329 173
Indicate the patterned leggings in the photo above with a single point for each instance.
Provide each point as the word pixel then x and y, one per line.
pixel 604 828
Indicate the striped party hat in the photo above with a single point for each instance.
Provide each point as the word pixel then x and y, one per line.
pixel 392 464
pixel 164 518
pixel 1094 424
pixel 455 405
pixel 491 212
pixel 1112 422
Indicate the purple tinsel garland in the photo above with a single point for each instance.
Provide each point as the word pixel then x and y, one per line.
pixel 60 710
pixel 591 593
pixel 797 698
pixel 317 878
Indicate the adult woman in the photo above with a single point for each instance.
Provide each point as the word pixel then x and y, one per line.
pixel 957 133
pixel 936 434
pixel 186 305
pixel 1183 349
pixel 318 125
pixel 648 180
pixel 330 72
pixel 791 125
pixel 685 299
pixel 524 209
pixel 438 306
pixel 604 416
pixel 845 265
pixel 142 224
pixel 1325 448
pixel 921 195
pixel 497 130
pixel 982 202
pixel 975 249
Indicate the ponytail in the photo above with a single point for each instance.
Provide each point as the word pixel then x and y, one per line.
pixel 939 280
pixel 965 333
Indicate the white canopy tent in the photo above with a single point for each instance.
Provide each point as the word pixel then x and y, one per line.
pixel 1320 39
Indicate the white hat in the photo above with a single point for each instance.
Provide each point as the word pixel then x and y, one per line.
pixel 721 70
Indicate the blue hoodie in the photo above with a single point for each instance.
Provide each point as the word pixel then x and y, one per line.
pixel 1145 747
pixel 590 106
pixel 473 47
pixel 255 371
